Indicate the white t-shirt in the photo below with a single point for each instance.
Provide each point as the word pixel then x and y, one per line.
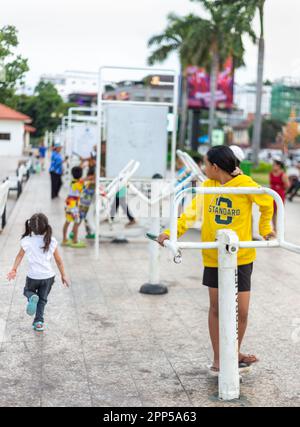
pixel 39 261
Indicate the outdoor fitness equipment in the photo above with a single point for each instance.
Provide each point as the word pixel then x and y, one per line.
pixel 4 190
pixel 102 103
pixel 228 245
pixel 191 165
pixel 108 194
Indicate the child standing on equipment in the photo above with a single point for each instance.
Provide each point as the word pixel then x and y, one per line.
pixel 72 207
pixel 120 200
pixel 39 247
pixel 233 211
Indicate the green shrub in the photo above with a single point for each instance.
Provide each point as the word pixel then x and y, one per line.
pixel 263 168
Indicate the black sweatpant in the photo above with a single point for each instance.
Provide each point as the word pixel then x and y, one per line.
pixel 120 201
pixel 41 288
pixel 56 183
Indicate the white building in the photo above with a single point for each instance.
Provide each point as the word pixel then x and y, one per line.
pixel 73 82
pixel 14 131
pixel 245 99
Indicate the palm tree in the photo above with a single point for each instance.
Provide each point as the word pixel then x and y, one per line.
pixel 203 42
pixel 249 8
pixel 259 84
pixel 175 38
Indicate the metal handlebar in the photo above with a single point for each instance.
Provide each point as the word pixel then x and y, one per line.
pixel 121 173
pixel 175 251
pixel 122 178
pixel 176 246
pixel 190 163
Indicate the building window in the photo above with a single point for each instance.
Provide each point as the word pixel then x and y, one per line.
pixel 4 136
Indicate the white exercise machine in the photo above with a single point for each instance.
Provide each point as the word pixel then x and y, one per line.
pixel 118 111
pixel 228 244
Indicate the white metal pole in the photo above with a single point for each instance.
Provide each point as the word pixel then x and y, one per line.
pixel 154 252
pixel 154 249
pixel 98 164
pixel 229 381
pixel 175 123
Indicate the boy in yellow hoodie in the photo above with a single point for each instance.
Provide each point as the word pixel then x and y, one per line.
pixel 232 211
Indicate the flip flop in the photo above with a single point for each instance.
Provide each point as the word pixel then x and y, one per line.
pixel 78 245
pixel 67 243
pixel 32 304
pixel 214 372
pixel 249 359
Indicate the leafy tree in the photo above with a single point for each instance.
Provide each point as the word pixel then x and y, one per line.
pixel 291 130
pixel 250 8
pixel 204 42
pixel 269 132
pixel 45 107
pixel 13 67
pixel 175 38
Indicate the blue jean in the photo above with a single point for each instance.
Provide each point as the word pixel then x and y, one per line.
pixel 41 288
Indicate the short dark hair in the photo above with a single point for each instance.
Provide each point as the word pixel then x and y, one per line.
pixel 76 172
pixel 223 156
pixel 279 163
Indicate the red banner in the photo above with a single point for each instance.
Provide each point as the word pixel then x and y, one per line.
pixel 199 87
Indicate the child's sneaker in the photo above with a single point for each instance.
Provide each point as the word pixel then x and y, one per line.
pixel 32 304
pixel 38 326
pixel 90 236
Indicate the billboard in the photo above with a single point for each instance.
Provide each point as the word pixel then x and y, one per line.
pixel 199 87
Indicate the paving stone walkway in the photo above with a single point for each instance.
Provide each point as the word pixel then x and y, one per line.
pixel 105 344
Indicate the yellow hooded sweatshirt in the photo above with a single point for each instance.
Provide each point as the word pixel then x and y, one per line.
pixel 233 211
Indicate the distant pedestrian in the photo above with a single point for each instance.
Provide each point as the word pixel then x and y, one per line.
pixel 279 182
pixel 56 171
pixel 120 200
pixel 294 178
pixel 39 247
pixel 42 154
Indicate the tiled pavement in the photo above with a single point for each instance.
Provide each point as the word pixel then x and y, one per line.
pixel 105 344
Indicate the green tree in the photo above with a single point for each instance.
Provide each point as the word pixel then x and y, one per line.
pixel 175 38
pixel 219 37
pixel 13 67
pixel 45 107
pixel 250 8
pixel 205 42
pixel 269 131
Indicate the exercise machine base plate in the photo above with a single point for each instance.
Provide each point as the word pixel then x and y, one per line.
pixel 151 289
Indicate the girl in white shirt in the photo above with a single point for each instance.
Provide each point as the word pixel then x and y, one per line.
pixel 39 246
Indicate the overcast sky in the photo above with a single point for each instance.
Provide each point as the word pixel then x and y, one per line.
pixel 61 35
